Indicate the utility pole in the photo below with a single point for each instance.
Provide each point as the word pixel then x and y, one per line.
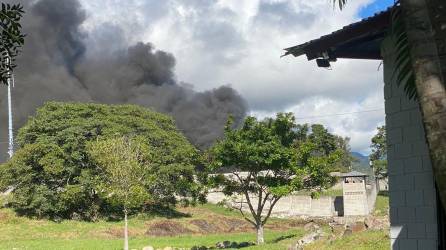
pixel 10 130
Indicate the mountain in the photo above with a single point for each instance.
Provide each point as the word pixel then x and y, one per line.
pixel 362 163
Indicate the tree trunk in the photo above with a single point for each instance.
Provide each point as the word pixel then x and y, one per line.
pixel 260 239
pixel 425 21
pixel 126 235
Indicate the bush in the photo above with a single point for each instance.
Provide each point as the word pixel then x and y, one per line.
pixel 53 175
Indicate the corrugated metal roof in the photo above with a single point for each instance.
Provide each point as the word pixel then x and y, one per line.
pixel 370 26
pixel 354 174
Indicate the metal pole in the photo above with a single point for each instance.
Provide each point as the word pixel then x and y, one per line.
pixel 10 131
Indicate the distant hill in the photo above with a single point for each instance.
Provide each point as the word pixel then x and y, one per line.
pixel 362 165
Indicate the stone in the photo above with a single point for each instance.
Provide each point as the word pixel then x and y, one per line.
pixel 199 248
pixel 223 244
pixel 372 223
pixel 337 229
pixel 148 248
pixel 348 231
pixel 233 245
pixel 168 248
pixel 245 244
pixel 307 239
pixel 311 226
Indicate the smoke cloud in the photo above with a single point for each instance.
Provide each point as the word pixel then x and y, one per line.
pixel 60 63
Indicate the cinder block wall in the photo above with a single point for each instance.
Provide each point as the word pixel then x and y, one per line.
pixel 411 182
pixel 355 199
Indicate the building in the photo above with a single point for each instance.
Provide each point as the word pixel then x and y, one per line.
pixel 416 215
pixel 354 192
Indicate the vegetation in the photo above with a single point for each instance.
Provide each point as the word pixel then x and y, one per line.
pixel 24 233
pixel 12 38
pixel 367 240
pixel 127 173
pixel 270 159
pixel 382 204
pixel 53 176
pixel 378 157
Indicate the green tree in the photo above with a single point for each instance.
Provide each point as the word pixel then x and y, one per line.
pixel 126 168
pixel 378 157
pixel 54 176
pixel 12 38
pixel 266 165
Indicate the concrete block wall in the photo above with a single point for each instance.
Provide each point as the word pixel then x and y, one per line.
pixel 292 205
pixel 411 182
pixel 355 199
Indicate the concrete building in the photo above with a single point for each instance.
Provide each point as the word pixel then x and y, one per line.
pixel 355 194
pixel 416 216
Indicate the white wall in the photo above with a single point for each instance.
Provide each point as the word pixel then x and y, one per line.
pixel 411 182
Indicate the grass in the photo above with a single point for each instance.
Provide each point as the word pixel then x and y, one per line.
pixel 375 240
pixel 272 241
pixel 382 204
pixel 25 233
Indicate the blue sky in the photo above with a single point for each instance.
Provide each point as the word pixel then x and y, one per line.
pixel 374 7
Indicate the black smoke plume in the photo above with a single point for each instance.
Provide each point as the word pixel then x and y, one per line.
pixel 58 62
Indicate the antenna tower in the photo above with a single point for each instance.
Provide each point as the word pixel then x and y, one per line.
pixel 10 129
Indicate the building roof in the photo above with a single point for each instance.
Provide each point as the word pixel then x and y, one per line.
pixel 354 174
pixel 360 40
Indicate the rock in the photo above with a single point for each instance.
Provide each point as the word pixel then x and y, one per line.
pixel 347 232
pixel 201 248
pixel 168 248
pixel 311 226
pixel 148 248
pixel 372 223
pixel 358 227
pixel 224 244
pixel 233 245
pixel 245 244
pixel 337 229
pixel 307 239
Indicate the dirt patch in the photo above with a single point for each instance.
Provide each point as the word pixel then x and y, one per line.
pixel 205 226
pixel 4 216
pixel 237 225
pixel 167 228
pixel 114 232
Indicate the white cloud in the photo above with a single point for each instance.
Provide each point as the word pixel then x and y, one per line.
pixel 239 43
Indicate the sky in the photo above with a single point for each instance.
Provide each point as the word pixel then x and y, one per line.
pixel 239 43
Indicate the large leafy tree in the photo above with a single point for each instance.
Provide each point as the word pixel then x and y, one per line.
pixel 12 38
pixel 269 159
pixel 53 175
pixel 326 143
pixel 126 170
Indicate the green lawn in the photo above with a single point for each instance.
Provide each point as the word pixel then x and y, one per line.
pixel 25 233
pixel 382 204
pixel 367 240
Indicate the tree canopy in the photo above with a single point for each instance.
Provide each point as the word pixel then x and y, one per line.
pixel 127 172
pixel 269 159
pixel 378 157
pixel 12 38
pixel 53 175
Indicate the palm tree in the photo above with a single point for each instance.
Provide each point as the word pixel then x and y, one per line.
pixel 420 40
